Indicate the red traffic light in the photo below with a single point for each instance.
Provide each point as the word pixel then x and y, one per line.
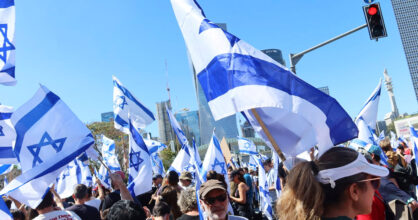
pixel 372 10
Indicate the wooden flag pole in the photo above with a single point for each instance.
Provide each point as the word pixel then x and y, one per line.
pixel 101 161
pixel 267 132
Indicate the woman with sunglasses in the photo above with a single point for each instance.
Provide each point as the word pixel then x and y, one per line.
pixel 339 185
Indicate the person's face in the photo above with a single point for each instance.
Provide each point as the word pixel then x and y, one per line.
pixel 185 183
pixel 235 179
pixel 213 205
pixel 364 203
pixel 158 181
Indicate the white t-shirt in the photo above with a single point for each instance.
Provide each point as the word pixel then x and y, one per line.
pixel 58 215
pixel 94 202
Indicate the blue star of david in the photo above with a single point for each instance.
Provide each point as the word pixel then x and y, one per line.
pixel 135 160
pixel 220 164
pixel 189 167
pixel 7 45
pixel 121 102
pixel 1 131
pixel 206 25
pixel 247 145
pixel 45 141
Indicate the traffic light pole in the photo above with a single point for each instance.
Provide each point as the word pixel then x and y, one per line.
pixel 294 58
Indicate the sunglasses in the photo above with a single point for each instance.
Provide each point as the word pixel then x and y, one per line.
pixel 374 181
pixel 211 201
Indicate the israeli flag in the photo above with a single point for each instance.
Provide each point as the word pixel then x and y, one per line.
pixel 157 165
pixel 124 104
pixel 7 51
pixel 7 136
pixel 276 162
pixel 252 163
pixel 393 141
pixel 197 155
pixel 246 146
pixel 182 162
pixel 49 136
pixel 109 155
pixel 177 129
pixel 140 174
pixel 265 199
pixel 236 77
pixel 69 177
pixel 214 160
pixel 104 176
pixel 381 137
pixel 4 211
pixel 154 146
pixel 366 119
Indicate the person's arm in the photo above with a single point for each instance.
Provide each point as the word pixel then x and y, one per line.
pixel 100 189
pixel 118 182
pixel 57 198
pixel 242 189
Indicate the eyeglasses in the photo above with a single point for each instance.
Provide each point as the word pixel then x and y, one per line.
pixel 211 201
pixel 374 181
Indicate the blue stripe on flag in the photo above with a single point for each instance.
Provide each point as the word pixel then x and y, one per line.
pixel 4 168
pixel 27 121
pixel 6 3
pixel 248 152
pixel 132 98
pixel 4 116
pixel 120 121
pixel 6 152
pixel 218 78
pixel 138 139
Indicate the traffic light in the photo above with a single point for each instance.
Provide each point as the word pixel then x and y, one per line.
pixel 375 21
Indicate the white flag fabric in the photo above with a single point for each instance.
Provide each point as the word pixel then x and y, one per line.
pixel 4 211
pixel 140 174
pixel 7 136
pixel 182 162
pixel 109 154
pixel 104 176
pixel 246 146
pixel 236 77
pixel 154 146
pixel 214 160
pixel 49 136
pixel 366 119
pixel 126 106
pixel 265 199
pixel 7 36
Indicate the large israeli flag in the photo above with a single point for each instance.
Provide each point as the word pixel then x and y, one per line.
pixel 7 36
pixel 49 136
pixel 236 77
pixel 265 199
pixel 126 106
pixel 246 146
pixel 109 154
pixel 366 119
pixel 7 136
pixel 140 174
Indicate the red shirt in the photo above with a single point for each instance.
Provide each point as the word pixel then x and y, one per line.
pixel 378 209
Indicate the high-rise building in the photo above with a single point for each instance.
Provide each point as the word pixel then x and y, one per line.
pixel 324 89
pixel 107 116
pixel 226 127
pixel 276 55
pixel 164 127
pixel 247 130
pixel 189 122
pixel 407 19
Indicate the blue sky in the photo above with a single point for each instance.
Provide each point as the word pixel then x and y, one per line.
pixel 74 48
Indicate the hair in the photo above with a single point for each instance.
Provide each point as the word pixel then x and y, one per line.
pixel 125 210
pixel 48 201
pixel 169 195
pixel 304 197
pixel 173 178
pixel 18 215
pixel 267 162
pixel 8 203
pixel 217 176
pixel 393 158
pixel 188 201
pixel 160 209
pixel 81 191
pixel 239 174
pixel 90 191
pixel 385 145
pixel 245 169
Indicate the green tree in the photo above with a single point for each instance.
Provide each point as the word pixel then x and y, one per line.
pixel 121 140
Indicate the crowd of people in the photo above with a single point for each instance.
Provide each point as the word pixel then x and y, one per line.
pixel 343 183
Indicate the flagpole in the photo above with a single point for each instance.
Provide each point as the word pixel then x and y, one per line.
pixel 101 161
pixel 267 132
